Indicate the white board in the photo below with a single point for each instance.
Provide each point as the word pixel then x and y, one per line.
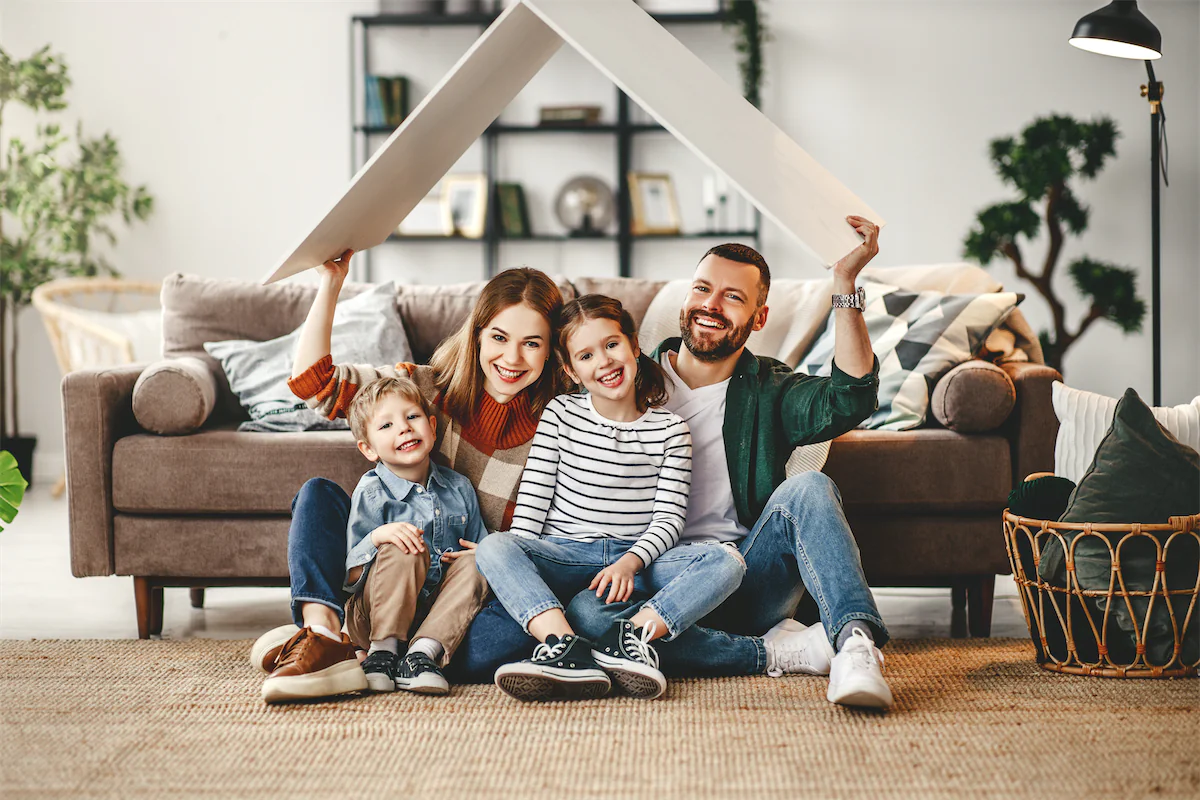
pixel 704 112
pixel 422 150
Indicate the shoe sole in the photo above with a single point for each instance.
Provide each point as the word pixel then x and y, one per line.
pixel 380 682
pixel 423 685
pixel 859 697
pixel 637 680
pixel 276 637
pixel 541 686
pixel 344 677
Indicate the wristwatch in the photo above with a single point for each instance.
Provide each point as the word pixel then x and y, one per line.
pixel 857 300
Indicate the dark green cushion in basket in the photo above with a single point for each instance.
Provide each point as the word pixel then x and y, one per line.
pixel 1041 498
pixel 1141 473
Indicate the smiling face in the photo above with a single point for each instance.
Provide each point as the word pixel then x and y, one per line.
pixel 401 435
pixel 605 362
pixel 721 309
pixel 513 348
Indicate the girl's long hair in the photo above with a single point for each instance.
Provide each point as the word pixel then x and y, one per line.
pixel 650 385
pixel 455 362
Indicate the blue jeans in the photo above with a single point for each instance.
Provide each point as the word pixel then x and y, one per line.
pixel 529 575
pixel 317 564
pixel 801 540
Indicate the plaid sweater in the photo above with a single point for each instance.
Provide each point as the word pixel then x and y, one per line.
pixel 490 450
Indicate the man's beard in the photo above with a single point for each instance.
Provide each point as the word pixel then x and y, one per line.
pixel 715 349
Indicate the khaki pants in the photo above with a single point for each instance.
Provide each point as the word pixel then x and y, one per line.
pixel 387 604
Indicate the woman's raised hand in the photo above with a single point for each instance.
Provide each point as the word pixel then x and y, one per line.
pixel 337 267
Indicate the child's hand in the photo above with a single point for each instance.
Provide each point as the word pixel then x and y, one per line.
pixel 450 555
pixel 336 268
pixel 402 534
pixel 618 576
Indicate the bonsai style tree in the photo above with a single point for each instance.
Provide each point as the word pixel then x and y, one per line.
pixel 57 197
pixel 1050 152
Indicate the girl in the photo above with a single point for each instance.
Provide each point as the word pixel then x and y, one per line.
pixel 601 505
pixel 490 382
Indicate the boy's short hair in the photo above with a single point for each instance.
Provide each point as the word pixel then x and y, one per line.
pixel 362 407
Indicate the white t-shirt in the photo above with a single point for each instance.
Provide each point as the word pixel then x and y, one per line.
pixel 711 515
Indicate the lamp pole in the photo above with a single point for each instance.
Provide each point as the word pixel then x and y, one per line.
pixel 1153 91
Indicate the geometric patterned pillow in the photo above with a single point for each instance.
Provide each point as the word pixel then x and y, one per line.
pixel 918 337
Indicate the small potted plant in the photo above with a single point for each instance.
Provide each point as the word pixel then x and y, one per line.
pixel 58 196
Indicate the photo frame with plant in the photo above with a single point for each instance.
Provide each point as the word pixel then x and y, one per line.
pixel 513 213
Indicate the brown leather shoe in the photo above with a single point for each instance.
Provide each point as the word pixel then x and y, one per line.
pixel 311 666
pixel 268 647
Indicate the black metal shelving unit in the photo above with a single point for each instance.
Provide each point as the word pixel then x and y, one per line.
pixel 623 129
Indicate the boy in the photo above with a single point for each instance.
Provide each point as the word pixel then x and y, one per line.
pixel 412 533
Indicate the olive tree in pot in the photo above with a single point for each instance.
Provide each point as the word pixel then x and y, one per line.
pixel 1051 151
pixel 59 195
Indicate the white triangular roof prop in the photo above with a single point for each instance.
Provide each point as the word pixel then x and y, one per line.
pixel 666 79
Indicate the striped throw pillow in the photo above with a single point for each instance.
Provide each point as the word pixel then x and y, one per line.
pixel 918 337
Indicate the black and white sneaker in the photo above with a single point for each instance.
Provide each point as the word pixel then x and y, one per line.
pixel 380 668
pixel 561 669
pixel 625 653
pixel 417 673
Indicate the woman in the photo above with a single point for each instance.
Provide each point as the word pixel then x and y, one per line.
pixel 490 382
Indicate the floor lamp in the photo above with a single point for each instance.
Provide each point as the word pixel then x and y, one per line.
pixel 1120 30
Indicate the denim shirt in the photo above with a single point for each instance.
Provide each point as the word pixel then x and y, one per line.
pixel 446 508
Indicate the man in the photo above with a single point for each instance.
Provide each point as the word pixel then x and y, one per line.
pixel 746 414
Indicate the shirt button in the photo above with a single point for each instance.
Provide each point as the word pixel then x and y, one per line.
pixel 420 490
pixel 437 511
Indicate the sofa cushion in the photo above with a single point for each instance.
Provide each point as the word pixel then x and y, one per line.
pixel 973 397
pixel 174 396
pixel 918 337
pixel 930 469
pixel 366 330
pixel 635 294
pixel 219 470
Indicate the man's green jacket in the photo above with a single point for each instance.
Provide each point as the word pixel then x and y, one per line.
pixel 770 409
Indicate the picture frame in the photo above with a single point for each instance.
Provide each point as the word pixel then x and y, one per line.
pixel 655 210
pixel 513 213
pixel 427 217
pixel 464 204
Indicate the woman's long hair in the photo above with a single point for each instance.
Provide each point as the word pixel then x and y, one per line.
pixel 455 362
pixel 650 385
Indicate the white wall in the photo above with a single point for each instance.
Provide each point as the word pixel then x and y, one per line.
pixel 235 115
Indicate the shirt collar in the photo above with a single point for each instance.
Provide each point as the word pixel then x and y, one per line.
pixel 400 487
pixel 746 363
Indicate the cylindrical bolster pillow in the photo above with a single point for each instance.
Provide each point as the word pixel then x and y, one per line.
pixel 974 397
pixel 174 396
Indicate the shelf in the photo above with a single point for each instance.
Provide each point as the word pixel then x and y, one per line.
pixel 562 237
pixel 483 20
pixel 505 128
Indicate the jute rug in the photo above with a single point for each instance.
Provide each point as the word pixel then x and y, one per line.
pixel 973 718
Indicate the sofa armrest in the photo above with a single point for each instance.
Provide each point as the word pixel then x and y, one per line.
pixel 97 410
pixel 1032 427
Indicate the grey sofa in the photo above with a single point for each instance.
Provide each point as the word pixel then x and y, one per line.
pixel 211 508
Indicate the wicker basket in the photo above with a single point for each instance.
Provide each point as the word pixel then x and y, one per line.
pixel 1105 631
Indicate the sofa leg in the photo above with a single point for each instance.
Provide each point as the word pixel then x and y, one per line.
pixel 197 593
pixel 144 600
pixel 156 610
pixel 958 610
pixel 980 593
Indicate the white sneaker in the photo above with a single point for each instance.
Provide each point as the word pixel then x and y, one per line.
pixel 856 677
pixel 795 648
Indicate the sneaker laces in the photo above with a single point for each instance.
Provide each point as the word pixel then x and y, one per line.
pixel 292 648
pixel 786 660
pixel 639 644
pixel 546 652
pixel 862 650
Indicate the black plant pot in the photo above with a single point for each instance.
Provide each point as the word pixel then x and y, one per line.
pixel 22 449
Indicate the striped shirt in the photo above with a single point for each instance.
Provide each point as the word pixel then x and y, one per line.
pixel 589 477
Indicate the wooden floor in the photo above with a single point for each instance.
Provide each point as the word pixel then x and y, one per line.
pixel 40 599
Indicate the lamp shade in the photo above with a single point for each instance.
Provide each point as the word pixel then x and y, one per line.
pixel 1118 29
